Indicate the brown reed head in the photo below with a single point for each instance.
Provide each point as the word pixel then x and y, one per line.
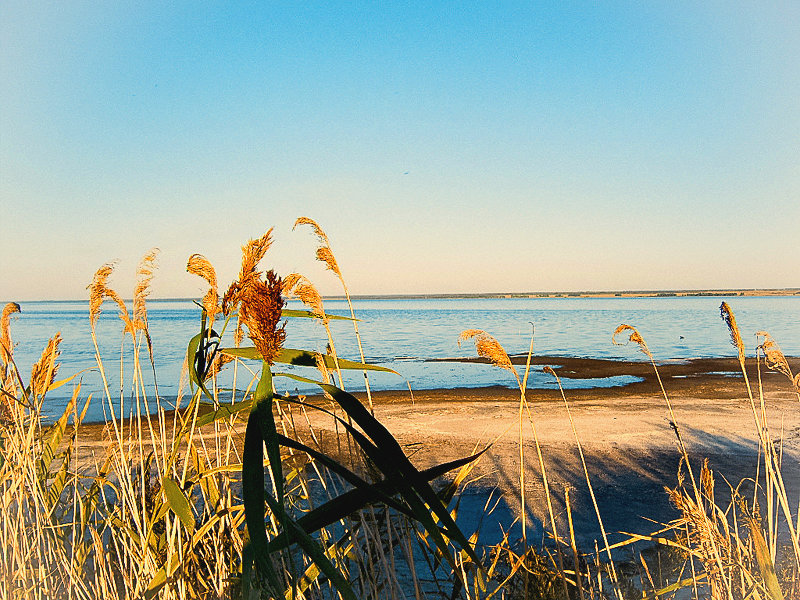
pixel 260 310
pixel 199 265
pixel 634 337
pixel 736 337
pixel 45 369
pixel 6 347
pixel 488 347
pixel 144 277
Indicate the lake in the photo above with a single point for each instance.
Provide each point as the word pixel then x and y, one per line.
pixel 404 333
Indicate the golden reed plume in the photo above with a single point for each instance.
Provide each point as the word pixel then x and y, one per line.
pixel 252 253
pixel 6 346
pixel 775 359
pixel 45 369
pixel 634 337
pixel 199 265
pixel 488 348
pixel 99 291
pixel 259 301
pixel 298 286
pixel 324 252
pixel 736 337
pixel 144 277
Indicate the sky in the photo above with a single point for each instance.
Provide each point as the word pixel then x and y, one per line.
pixel 444 148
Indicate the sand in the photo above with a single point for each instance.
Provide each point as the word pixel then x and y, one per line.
pixel 629 442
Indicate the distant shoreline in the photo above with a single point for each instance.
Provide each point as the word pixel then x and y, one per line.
pixel 754 292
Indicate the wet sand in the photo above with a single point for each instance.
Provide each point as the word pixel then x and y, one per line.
pixel 626 433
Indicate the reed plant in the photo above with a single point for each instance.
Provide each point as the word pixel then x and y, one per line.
pixel 226 491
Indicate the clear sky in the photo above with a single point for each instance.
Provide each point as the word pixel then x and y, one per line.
pixel 504 147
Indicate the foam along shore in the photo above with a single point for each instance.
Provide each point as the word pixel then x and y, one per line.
pixel 626 434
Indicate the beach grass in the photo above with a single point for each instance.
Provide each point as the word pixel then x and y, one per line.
pixel 231 494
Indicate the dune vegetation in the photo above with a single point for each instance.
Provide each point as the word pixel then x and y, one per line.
pixel 229 494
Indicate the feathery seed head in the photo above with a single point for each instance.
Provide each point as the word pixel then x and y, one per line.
pixel 199 265
pixel 260 310
pixel 317 229
pixel 634 337
pixel 252 253
pixel 144 276
pixel 325 255
pixel 736 337
pixel 773 355
pixel 6 347
pixel 97 291
pixel 488 348
pixel 301 288
pixel 45 369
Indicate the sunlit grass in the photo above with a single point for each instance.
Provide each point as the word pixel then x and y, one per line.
pixel 231 494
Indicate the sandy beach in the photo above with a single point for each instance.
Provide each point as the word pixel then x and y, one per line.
pixel 627 436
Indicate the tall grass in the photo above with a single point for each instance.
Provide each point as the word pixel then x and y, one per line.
pixel 230 493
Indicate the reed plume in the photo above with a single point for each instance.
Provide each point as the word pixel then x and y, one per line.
pixel 144 277
pixel 252 253
pixel 488 348
pixel 6 346
pixel 324 252
pixel 634 337
pixel 45 369
pixel 298 286
pixel 8 386
pixel 199 265
pixel 775 359
pixel 99 291
pixel 736 337
pixel 259 301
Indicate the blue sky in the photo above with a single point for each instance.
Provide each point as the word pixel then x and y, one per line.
pixel 445 148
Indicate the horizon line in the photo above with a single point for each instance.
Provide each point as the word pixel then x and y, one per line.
pixel 658 293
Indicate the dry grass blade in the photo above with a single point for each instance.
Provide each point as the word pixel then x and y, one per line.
pixel 736 337
pixel 199 265
pixel 144 276
pixel 488 347
pixel 45 369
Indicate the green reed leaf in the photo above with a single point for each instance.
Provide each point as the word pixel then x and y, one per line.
pixel 304 358
pixel 178 502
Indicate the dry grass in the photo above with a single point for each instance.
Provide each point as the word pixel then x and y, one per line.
pixel 159 513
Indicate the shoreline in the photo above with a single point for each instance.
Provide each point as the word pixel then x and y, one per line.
pixel 626 435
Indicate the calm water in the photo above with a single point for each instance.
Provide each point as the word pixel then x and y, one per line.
pixel 403 333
